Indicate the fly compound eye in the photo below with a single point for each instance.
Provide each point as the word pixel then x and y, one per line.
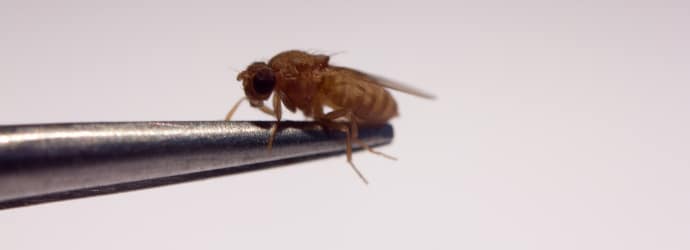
pixel 263 82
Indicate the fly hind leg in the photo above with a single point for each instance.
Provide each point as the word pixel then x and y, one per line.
pixel 355 137
pixel 328 120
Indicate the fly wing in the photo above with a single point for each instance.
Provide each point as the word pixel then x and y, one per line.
pixel 388 83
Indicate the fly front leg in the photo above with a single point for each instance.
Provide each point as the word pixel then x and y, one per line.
pixel 277 113
pixel 263 108
pixel 234 108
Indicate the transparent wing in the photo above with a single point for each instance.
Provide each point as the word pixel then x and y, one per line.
pixel 388 83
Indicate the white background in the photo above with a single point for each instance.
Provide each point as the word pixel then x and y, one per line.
pixel 559 125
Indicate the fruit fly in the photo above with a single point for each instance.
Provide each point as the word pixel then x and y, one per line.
pixel 307 82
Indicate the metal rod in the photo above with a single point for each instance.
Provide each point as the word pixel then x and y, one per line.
pixel 49 162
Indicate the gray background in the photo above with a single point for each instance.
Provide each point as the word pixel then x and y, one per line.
pixel 559 125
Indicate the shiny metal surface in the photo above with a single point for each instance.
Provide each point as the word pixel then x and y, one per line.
pixel 48 162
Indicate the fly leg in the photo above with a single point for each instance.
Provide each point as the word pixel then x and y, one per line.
pixel 329 121
pixel 264 109
pixel 234 108
pixel 275 112
pixel 355 137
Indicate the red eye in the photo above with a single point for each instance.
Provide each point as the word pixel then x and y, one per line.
pixel 263 82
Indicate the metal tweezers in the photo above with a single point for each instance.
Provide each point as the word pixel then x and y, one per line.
pixel 53 162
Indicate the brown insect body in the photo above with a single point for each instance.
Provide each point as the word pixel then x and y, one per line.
pixel 306 82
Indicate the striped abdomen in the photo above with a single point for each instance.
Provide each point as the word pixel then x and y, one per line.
pixel 369 102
